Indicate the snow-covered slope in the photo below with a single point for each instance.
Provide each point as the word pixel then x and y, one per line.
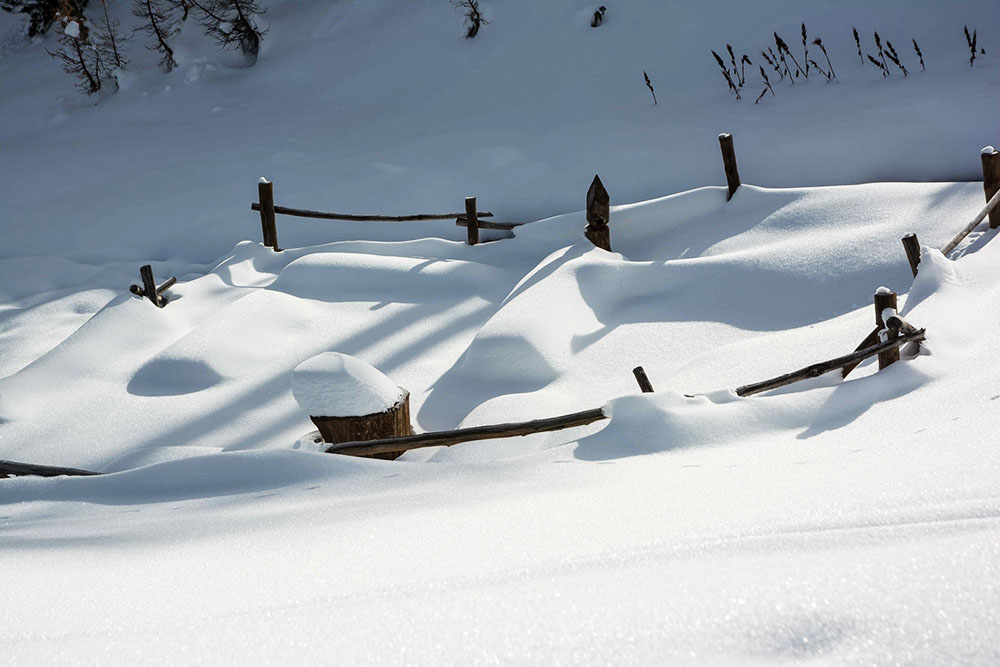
pixel 828 522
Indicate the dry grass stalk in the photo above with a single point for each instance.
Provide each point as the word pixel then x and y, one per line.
pixel 650 86
pixel 726 73
pixel 894 57
pixel 857 40
pixel 971 41
pixel 832 75
pixel 919 55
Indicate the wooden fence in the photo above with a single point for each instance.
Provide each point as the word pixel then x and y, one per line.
pixel 884 341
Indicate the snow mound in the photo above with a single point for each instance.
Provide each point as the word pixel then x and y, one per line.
pixel 339 385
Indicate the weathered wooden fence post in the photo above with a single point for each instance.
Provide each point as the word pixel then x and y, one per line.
pixel 598 215
pixel 912 247
pixel 149 285
pixel 640 377
pixel 729 162
pixel 886 299
pixel 472 221
pixel 991 180
pixel 265 197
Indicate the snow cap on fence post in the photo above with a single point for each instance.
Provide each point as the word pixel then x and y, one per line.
pixel 349 400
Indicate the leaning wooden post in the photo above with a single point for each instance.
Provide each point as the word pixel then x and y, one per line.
pixel 886 299
pixel 472 221
pixel 640 377
pixel 149 285
pixel 598 215
pixel 729 162
pixel 912 247
pixel 350 401
pixel 265 196
pixel 991 180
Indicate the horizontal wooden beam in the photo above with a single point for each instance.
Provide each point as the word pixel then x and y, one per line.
pixel 304 213
pixel 826 366
pixel 972 225
pixel 8 468
pixel 449 438
pixel 489 224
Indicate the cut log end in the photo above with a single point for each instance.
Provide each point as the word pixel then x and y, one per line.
pixel 393 423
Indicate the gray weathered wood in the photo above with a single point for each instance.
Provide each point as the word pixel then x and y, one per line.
pixel 883 301
pixel 269 228
pixel 912 248
pixel 640 377
pixel 10 468
pixel 449 438
pixel 821 368
pixel 320 215
pixel 729 162
pixel 991 182
pixel 149 285
pixel 472 220
pixel 990 205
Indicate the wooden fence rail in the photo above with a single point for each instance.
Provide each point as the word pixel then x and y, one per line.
pixel 320 215
pixel 9 468
pixel 449 438
pixel 990 205
pixel 815 370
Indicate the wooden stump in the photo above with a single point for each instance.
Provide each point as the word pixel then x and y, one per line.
pixel 598 215
pixel 886 299
pixel 991 181
pixel 392 423
pixel 729 162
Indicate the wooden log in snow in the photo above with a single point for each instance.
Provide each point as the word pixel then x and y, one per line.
pixel 449 438
pixel 990 205
pixel 320 215
pixel 821 368
pixel 15 468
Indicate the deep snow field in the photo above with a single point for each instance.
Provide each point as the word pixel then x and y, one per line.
pixel 825 523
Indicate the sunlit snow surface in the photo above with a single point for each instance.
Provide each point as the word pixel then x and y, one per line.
pixel 828 522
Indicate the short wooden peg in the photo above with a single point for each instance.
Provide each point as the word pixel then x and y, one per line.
pixel 265 196
pixel 640 377
pixel 729 162
pixel 886 299
pixel 472 221
pixel 912 247
pixel 149 285
pixel 991 180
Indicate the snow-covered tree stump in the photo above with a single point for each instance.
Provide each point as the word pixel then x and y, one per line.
pixel 350 401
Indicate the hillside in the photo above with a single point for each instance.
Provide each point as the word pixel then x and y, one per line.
pixel 828 522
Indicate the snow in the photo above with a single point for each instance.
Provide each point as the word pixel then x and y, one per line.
pixel 988 150
pixel 72 29
pixel 826 522
pixel 339 385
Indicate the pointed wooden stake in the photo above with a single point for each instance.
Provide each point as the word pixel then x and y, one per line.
pixel 598 215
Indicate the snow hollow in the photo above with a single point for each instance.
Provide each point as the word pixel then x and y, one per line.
pixel 829 521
